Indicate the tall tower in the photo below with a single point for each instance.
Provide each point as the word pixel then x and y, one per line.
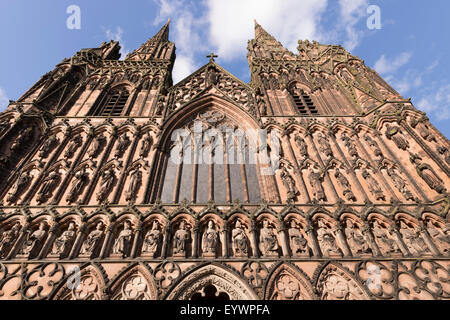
pixel 161 192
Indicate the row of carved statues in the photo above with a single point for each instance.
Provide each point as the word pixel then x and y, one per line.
pixel 183 239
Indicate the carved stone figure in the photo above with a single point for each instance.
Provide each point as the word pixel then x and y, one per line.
pixel 426 172
pixel 441 237
pixel 373 185
pixel 48 146
pixel 423 130
pixel 122 145
pixel 152 240
pixel 315 180
pixel 34 241
pixel 326 240
pixel 147 143
pixel 302 146
pixel 386 244
pixel 73 146
pixel 48 186
pixel 298 243
pixel 357 242
pixel 400 184
pixel 289 184
pixel 268 242
pixel 122 245
pixel 374 146
pixel 210 240
pixel 350 145
pixel 97 144
pixel 79 181
pixel 63 244
pixel 261 103
pixel 395 134
pixel 93 241
pixel 180 240
pixel 324 145
pixel 108 179
pixel 211 77
pixel 8 238
pixel 239 240
pixel 22 139
pixel 413 240
pixel 345 185
pixel 135 184
pixel 19 187
pixel 445 152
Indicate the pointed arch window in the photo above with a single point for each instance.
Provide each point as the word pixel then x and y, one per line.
pixel 113 104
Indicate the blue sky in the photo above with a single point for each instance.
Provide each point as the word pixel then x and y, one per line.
pixel 410 50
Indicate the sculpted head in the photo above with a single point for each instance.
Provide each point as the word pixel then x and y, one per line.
pixel 99 226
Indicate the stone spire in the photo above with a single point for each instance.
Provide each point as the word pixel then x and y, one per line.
pixel 262 35
pixel 154 47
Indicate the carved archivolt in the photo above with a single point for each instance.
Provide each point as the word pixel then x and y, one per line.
pixel 222 279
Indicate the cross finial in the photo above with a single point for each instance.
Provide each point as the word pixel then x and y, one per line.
pixel 211 57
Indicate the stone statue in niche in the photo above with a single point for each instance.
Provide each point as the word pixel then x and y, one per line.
pixel 315 180
pixel 302 146
pixel 152 240
pixel 34 241
pixel 261 103
pixel 440 238
pixel 78 183
pixel 8 238
pixel 324 145
pixel 19 187
pixel 239 240
pixel 386 244
pixel 445 152
pixel 289 184
pixel 22 139
pixel 210 240
pixel 122 145
pixel 374 146
pixel 93 241
pixel 211 76
pixel 395 134
pixel 274 82
pixel 135 183
pixel 268 242
pixel 298 243
pixel 345 185
pixel 423 130
pixel 265 81
pixel 180 240
pixel 122 245
pixel 64 243
pixel 48 146
pixel 48 186
pixel 399 183
pixel 73 146
pixel 108 179
pixel 350 145
pixel 373 185
pixel 326 240
pixel 357 242
pixel 413 240
pixel 427 173
pixel 147 143
pixel 97 144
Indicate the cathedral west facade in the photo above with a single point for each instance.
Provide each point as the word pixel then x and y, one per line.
pixel 94 205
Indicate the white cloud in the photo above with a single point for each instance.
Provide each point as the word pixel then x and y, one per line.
pixel 231 22
pixel 437 102
pixel 352 11
pixel 117 35
pixel 386 66
pixel 4 100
